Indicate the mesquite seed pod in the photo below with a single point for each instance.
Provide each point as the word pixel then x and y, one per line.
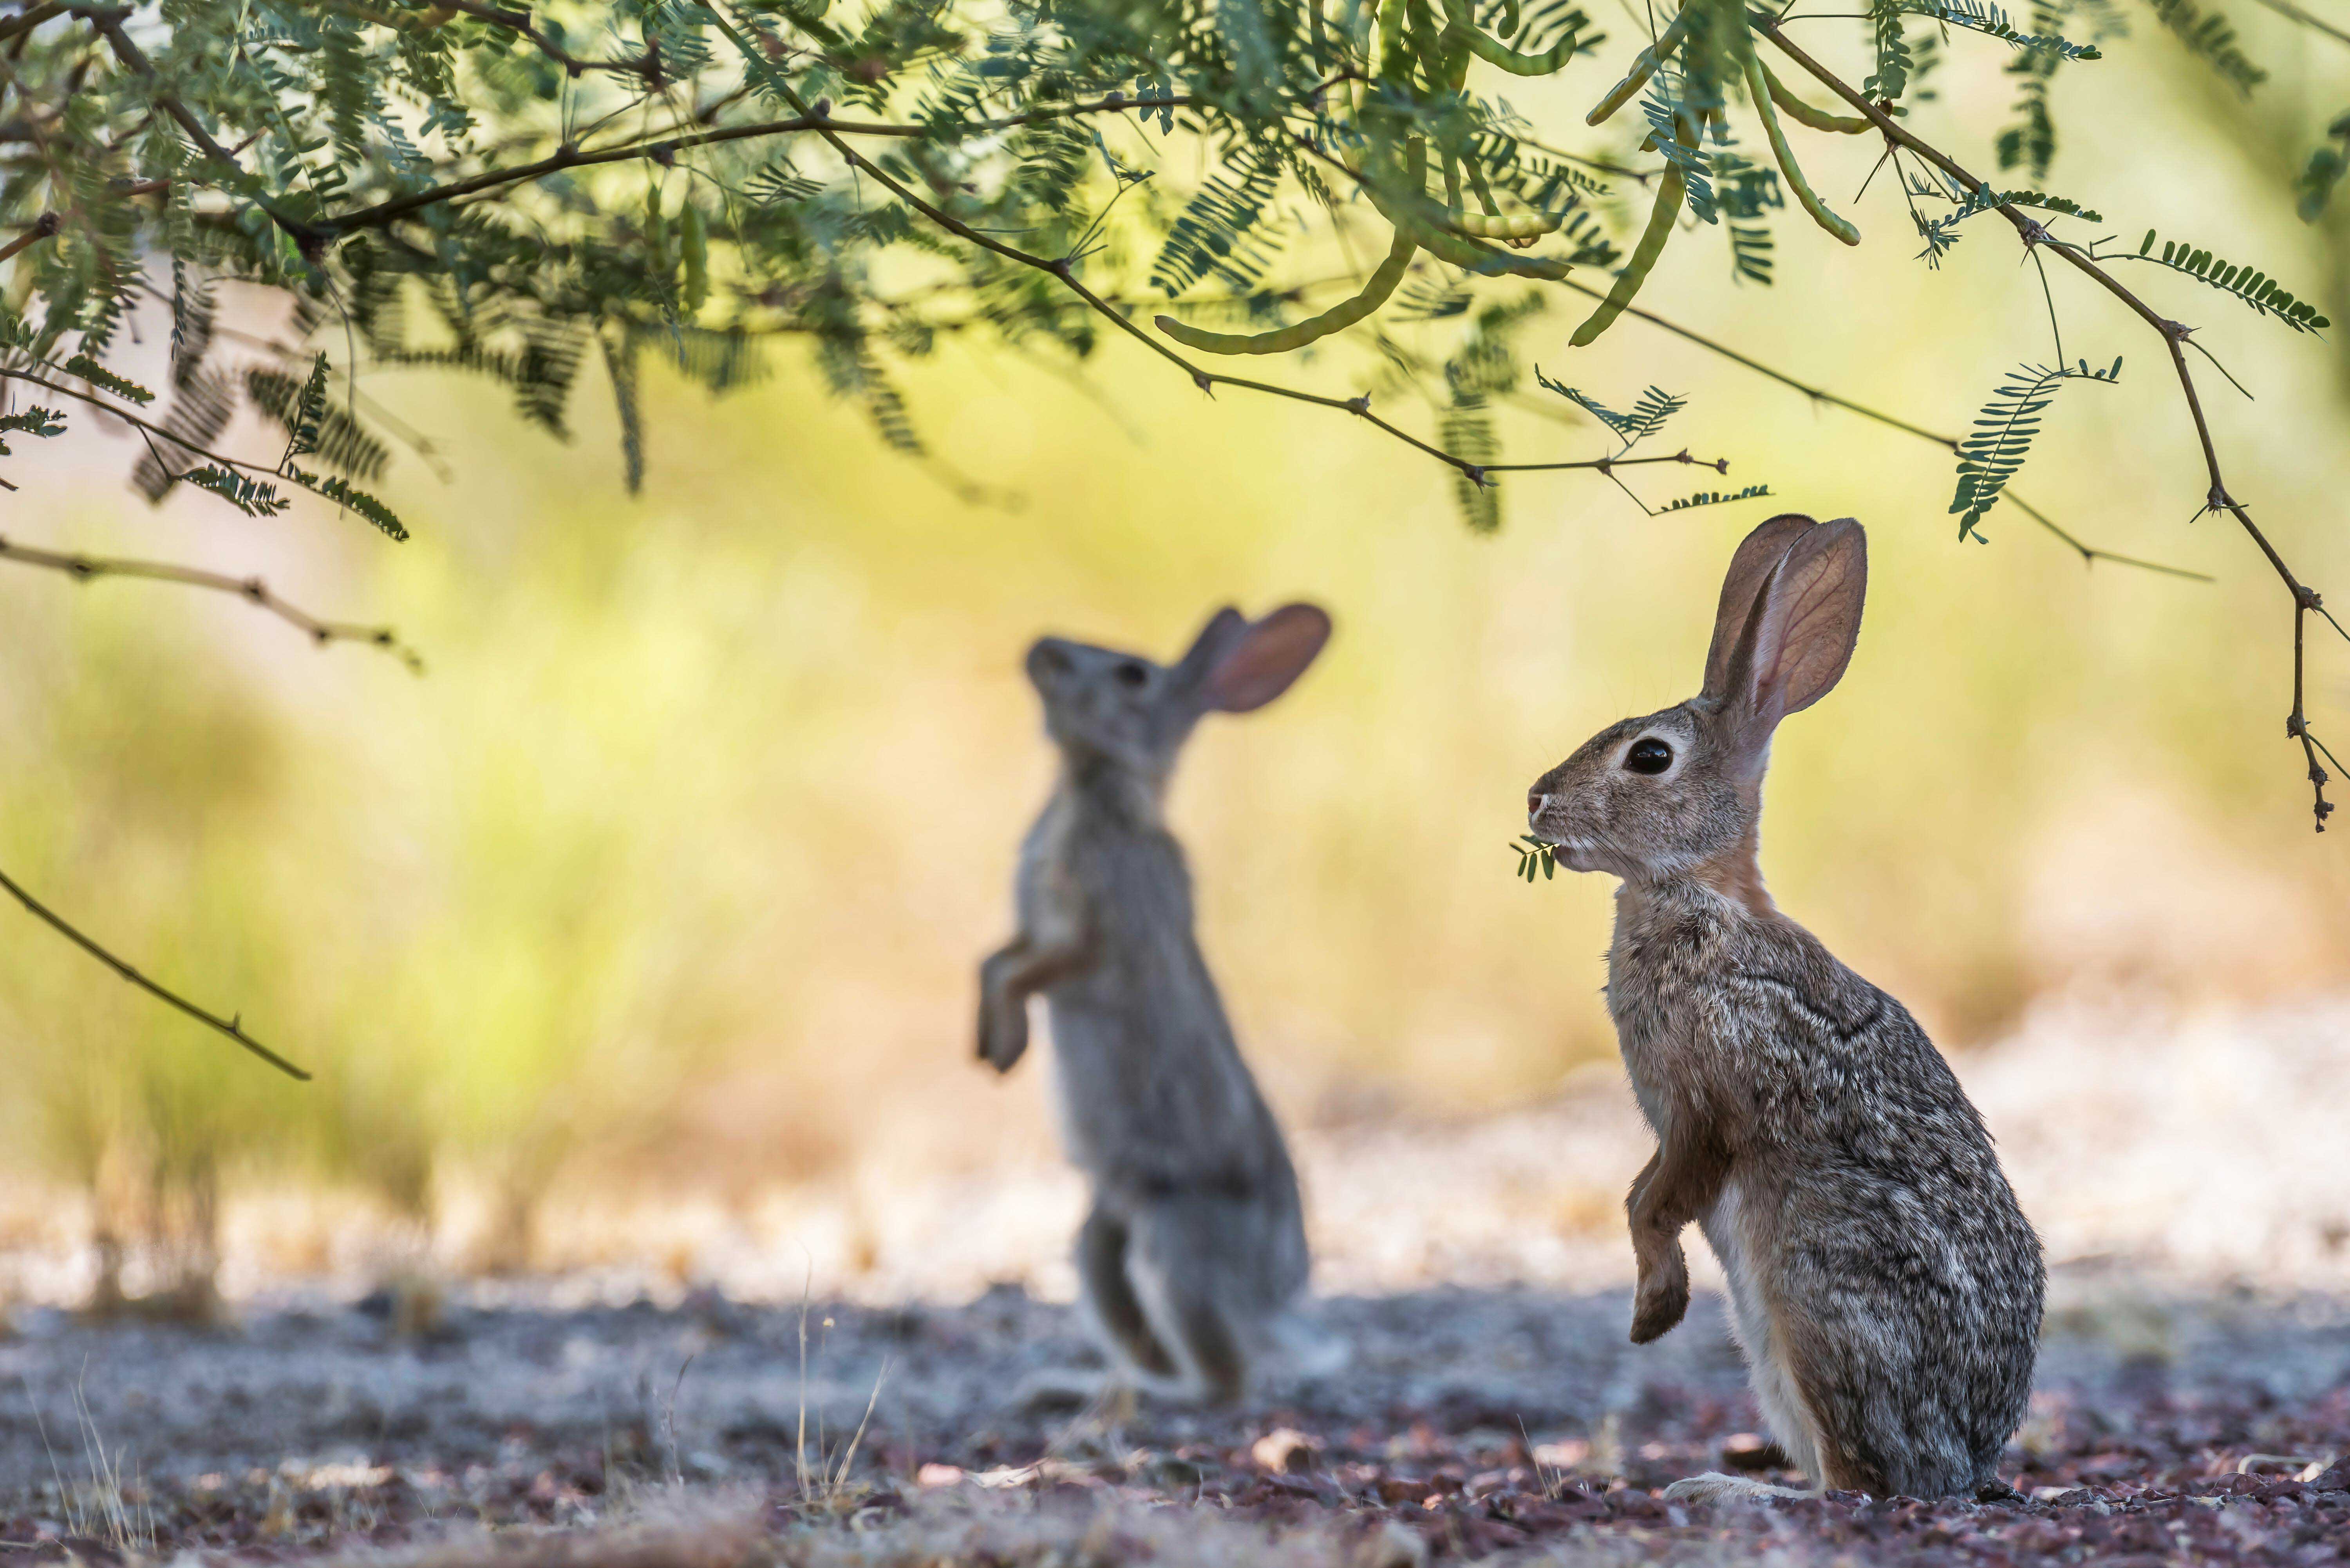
pixel 1661 217
pixel 1644 65
pixel 1282 340
pixel 1518 63
pixel 657 254
pixel 693 241
pixel 1760 91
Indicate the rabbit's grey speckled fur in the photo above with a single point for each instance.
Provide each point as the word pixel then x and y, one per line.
pixel 1195 1248
pixel 1884 1286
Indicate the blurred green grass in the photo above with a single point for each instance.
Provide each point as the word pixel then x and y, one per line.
pixel 674 869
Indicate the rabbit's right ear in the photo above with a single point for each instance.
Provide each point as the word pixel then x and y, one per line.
pixel 1757 554
pixel 1795 641
pixel 1260 664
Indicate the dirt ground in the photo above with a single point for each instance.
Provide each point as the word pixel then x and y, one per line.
pixel 657 1396
pixel 2170 1425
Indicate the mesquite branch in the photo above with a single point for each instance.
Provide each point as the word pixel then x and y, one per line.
pixel 252 590
pixel 2305 599
pixel 232 1026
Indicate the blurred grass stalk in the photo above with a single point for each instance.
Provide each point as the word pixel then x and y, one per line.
pixel 672 874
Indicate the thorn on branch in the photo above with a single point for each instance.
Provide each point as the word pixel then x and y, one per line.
pixel 1359 406
pixel 2177 331
pixel 2307 597
pixel 2031 232
pixel 1204 381
pixel 2219 500
pixel 664 154
pixel 1475 474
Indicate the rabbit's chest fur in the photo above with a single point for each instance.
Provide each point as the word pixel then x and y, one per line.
pixel 1846 1133
pixel 1151 1087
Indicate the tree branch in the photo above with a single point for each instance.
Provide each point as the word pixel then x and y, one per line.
pixel 86 568
pixel 2088 553
pixel 570 157
pixel 2173 335
pixel 108 20
pixel 519 22
pixel 234 1027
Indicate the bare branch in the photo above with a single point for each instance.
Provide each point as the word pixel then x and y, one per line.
pixel 234 1027
pixel 252 590
pixel 2088 553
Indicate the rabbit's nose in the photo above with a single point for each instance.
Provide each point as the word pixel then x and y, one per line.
pixel 1536 801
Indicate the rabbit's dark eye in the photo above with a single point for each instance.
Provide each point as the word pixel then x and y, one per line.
pixel 1130 673
pixel 1649 757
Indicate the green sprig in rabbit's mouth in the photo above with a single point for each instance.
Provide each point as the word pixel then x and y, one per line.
pixel 1535 855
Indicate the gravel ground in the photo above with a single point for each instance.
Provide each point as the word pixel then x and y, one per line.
pixel 1468 1422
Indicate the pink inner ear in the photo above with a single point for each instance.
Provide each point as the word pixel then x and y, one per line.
pixel 1264 663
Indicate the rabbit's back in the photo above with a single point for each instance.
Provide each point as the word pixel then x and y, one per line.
pixel 1875 1249
pixel 1154 1098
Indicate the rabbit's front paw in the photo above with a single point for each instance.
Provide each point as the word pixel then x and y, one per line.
pixel 1663 1300
pixel 1002 1033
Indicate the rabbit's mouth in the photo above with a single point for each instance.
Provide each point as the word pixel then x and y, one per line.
pixel 1574 854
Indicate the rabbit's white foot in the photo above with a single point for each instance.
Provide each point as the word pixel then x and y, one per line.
pixel 1076 1388
pixel 1715 1487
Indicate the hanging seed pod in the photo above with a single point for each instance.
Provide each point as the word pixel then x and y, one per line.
pixel 1463 26
pixel 1805 114
pixel 1761 92
pixel 1644 65
pixel 1514 228
pixel 1661 217
pixel 693 245
pixel 657 256
pixel 1337 319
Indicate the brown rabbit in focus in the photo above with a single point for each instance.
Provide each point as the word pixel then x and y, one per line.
pixel 1884 1286
pixel 1194 1251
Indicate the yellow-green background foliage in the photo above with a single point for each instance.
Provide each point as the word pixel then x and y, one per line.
pixel 675 868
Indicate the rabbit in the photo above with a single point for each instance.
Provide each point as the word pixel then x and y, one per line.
pixel 1194 1251
pixel 1884 1286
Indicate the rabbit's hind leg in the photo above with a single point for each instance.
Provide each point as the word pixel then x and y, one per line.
pixel 1183 1278
pixel 1107 1298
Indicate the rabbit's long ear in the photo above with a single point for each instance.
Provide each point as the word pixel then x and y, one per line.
pixel 1757 554
pixel 1796 642
pixel 1259 665
pixel 1215 639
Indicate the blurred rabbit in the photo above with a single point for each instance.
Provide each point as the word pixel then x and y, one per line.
pixel 1883 1285
pixel 1195 1249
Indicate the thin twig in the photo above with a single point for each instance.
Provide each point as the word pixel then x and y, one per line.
pixel 234 1027
pixel 26 21
pixel 2173 335
pixel 252 590
pixel 2088 553
pixel 41 228
pixel 2283 8
pixel 115 410
pixel 519 22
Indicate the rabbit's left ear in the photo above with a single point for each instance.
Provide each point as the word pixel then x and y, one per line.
pixel 1260 664
pixel 1796 644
